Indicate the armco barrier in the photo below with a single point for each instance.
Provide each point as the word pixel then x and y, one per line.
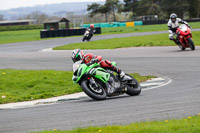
pixel 138 23
pixel 115 24
pixel 152 22
pixel 65 32
pixel 130 24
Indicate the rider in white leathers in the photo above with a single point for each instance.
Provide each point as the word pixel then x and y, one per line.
pixel 173 24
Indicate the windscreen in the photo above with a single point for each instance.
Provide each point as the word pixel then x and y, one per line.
pixel 76 65
pixel 183 27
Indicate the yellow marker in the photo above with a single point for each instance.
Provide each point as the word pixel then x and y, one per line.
pixel 130 24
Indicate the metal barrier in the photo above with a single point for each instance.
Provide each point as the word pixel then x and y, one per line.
pixel 115 24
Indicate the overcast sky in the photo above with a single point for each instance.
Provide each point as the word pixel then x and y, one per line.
pixel 7 4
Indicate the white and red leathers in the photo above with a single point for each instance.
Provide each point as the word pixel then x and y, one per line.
pixel 173 26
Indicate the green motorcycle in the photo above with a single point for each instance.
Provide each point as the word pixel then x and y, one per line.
pixel 99 83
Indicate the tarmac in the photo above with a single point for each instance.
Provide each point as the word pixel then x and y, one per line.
pixel 147 85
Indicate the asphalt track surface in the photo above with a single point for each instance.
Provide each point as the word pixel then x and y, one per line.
pixel 176 100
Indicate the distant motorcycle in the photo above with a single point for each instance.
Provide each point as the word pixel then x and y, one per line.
pixel 185 37
pixel 88 34
pixel 99 83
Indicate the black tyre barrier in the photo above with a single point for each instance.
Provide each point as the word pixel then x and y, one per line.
pixel 65 32
pixel 51 33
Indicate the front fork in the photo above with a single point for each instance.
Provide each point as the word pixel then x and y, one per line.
pixel 184 39
pixel 92 82
pixel 109 89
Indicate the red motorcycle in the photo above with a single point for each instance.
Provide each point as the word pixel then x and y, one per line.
pixel 185 37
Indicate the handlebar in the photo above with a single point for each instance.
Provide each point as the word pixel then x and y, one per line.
pixel 93 61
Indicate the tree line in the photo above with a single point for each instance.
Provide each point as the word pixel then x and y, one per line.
pixel 186 9
pixel 127 10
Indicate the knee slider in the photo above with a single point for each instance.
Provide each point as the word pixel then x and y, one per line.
pixel 171 38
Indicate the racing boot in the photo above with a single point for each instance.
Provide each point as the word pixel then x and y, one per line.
pixel 177 41
pixel 119 72
pixel 122 74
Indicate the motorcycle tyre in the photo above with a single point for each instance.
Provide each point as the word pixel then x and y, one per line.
pixel 133 91
pixel 191 43
pixel 83 39
pixel 88 39
pixel 90 93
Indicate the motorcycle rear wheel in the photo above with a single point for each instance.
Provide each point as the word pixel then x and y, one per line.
pixel 134 89
pixel 88 39
pixel 191 43
pixel 91 92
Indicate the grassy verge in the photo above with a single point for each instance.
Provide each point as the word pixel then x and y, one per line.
pixel 21 27
pixel 186 125
pixel 33 35
pixel 136 41
pixel 19 36
pixel 25 85
pixel 143 28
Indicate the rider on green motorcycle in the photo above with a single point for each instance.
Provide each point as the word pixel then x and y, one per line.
pixel 78 55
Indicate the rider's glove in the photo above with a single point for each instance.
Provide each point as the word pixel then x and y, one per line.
pixel 94 60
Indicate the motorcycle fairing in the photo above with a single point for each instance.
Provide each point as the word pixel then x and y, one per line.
pixel 93 70
pixel 184 33
pixel 102 75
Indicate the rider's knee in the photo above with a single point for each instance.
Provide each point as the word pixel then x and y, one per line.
pixel 108 62
pixel 171 37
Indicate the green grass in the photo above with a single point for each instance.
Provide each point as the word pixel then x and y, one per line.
pixel 186 125
pixel 19 36
pixel 25 85
pixel 34 35
pixel 143 28
pixel 136 41
pixel 21 27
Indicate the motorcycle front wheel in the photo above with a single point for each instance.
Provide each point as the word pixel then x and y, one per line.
pixel 191 43
pixel 94 93
pixel 83 39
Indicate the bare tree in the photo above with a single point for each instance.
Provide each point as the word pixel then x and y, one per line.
pixel 40 17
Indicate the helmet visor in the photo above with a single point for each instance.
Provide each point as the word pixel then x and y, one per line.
pixel 173 20
pixel 76 59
